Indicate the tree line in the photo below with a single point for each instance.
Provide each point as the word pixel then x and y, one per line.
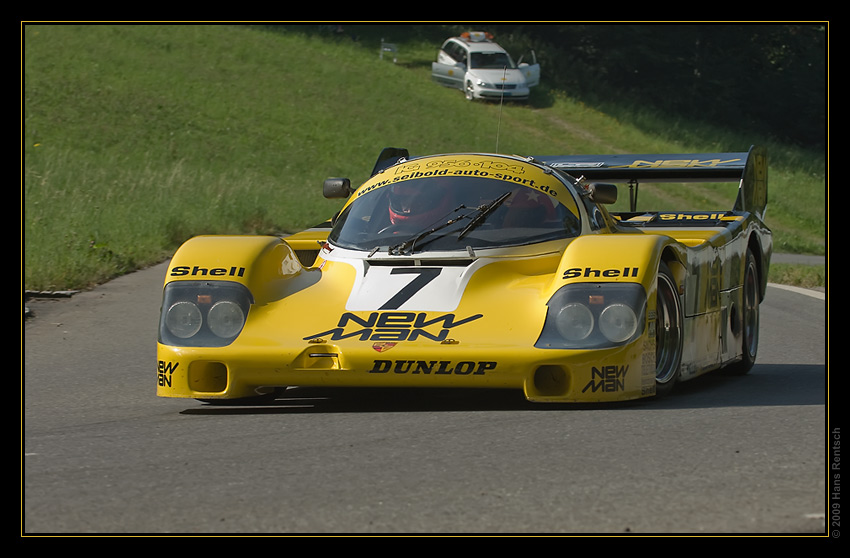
pixel 769 79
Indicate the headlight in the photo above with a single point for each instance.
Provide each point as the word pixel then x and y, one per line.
pixel 593 315
pixel 617 323
pixel 574 322
pixel 203 313
pixel 183 319
pixel 226 318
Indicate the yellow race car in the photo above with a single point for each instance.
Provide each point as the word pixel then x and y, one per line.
pixel 479 271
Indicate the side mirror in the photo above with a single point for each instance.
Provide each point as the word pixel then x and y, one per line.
pixel 336 188
pixel 603 193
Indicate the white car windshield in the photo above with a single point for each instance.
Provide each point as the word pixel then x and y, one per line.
pixel 491 61
pixel 452 213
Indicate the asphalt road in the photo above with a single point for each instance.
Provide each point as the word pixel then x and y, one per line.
pixel 103 455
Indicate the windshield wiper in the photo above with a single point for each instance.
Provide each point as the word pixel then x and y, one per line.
pixel 408 245
pixel 483 212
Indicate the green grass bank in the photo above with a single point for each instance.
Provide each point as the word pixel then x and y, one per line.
pixel 137 137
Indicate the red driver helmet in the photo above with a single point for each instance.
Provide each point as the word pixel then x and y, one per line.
pixel 418 204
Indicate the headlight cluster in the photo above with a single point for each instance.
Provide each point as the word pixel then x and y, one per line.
pixel 593 315
pixel 203 313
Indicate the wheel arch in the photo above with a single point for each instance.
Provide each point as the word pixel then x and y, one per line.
pixel 675 261
pixel 266 265
pixel 762 263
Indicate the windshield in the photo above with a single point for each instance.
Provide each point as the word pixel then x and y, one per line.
pixel 439 213
pixel 491 61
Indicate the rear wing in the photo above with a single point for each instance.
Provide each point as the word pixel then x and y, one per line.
pixel 749 169
pixel 389 156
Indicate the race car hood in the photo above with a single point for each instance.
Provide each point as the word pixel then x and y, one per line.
pixel 492 299
pixel 441 301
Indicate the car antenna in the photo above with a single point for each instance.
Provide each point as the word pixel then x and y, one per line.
pixel 501 104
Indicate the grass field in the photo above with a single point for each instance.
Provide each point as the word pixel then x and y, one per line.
pixel 136 137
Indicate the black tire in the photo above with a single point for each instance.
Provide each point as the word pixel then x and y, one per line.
pixel 669 332
pixel 749 323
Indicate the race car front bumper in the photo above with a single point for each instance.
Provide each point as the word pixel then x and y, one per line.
pixel 598 375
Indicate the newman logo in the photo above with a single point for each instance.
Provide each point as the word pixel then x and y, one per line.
pixel 607 379
pixel 677 163
pixel 164 371
pixel 394 327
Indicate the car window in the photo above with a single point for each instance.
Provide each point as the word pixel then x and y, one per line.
pixel 491 61
pixel 389 214
pixel 456 51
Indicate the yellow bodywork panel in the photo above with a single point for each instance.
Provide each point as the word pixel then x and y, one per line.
pixel 300 333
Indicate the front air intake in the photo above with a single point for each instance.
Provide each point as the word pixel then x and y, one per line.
pixel 550 380
pixel 207 377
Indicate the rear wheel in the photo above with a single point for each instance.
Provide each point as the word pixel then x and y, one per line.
pixel 749 318
pixel 668 332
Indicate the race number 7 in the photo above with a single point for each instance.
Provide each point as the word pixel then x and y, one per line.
pixel 425 276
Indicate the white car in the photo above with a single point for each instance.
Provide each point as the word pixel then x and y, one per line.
pixel 482 69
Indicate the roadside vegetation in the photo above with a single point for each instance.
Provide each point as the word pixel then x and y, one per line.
pixel 798 275
pixel 137 137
